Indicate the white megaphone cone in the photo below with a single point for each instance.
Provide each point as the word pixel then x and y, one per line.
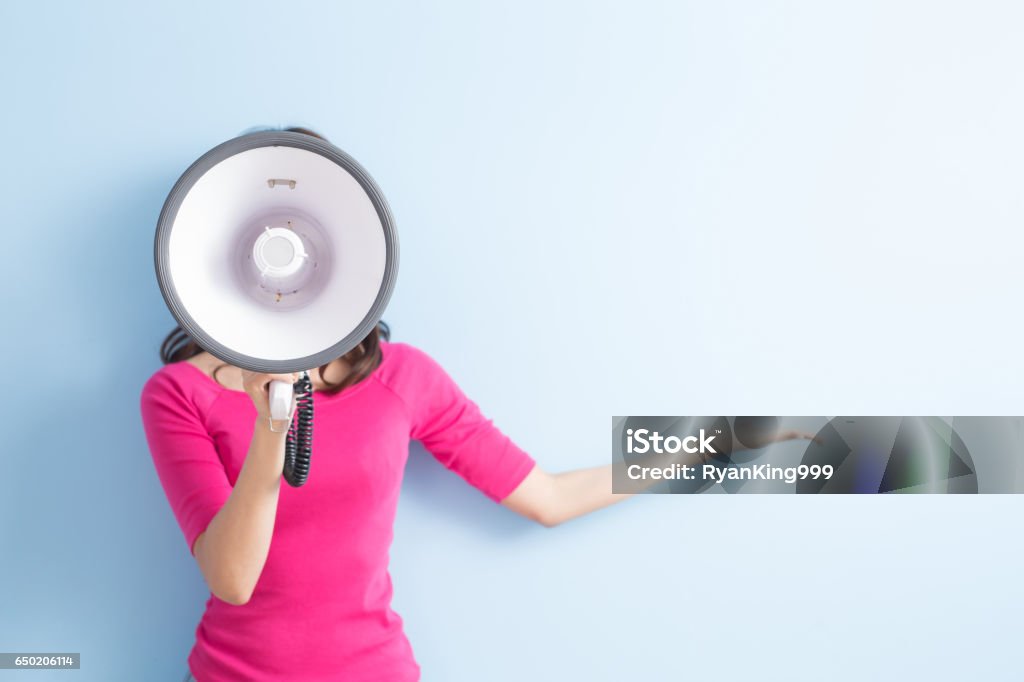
pixel 276 252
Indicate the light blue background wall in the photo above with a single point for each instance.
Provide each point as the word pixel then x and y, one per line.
pixel 605 208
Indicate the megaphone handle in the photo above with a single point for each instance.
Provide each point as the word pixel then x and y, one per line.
pixel 281 393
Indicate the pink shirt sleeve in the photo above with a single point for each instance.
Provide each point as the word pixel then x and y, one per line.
pixel 453 429
pixel 190 471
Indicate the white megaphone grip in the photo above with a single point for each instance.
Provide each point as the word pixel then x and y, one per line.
pixel 281 398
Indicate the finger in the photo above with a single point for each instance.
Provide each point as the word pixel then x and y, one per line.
pixel 262 381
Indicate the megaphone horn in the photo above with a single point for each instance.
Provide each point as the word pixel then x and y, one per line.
pixel 276 252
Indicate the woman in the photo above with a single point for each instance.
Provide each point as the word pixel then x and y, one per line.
pixel 298 576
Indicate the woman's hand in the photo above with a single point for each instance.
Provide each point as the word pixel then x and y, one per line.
pixel 793 434
pixel 257 385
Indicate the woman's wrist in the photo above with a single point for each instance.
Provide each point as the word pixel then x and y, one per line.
pixel 263 427
pixel 265 459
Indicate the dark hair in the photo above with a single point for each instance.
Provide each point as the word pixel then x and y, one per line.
pixel 362 360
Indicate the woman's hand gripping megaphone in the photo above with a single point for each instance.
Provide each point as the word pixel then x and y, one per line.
pixel 273 395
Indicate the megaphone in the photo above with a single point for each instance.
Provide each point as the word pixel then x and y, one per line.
pixel 276 252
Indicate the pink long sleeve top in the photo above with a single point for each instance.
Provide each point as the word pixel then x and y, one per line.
pixel 321 609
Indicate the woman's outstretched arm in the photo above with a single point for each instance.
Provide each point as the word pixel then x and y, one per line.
pixel 551 499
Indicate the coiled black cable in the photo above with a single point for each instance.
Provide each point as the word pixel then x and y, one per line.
pixel 299 444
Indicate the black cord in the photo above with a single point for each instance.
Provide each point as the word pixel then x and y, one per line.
pixel 299 444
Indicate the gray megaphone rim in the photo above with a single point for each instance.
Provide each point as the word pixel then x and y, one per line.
pixel 197 170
